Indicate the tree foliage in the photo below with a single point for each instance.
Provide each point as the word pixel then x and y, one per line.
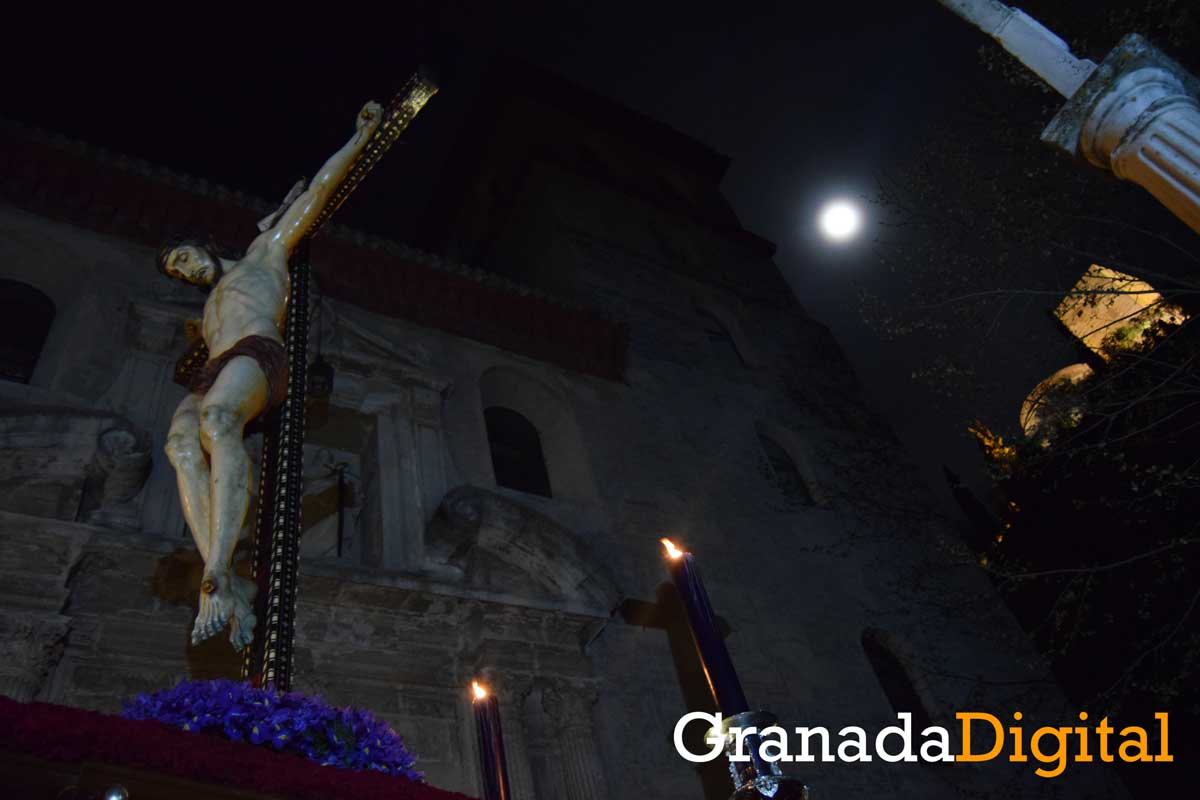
pixel 1095 539
pixel 987 228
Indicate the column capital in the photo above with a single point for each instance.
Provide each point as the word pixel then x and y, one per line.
pixel 1138 116
pixel 568 705
pixel 513 690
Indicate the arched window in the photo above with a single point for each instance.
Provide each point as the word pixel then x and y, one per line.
pixel 1051 401
pixel 25 317
pixel 516 451
pixel 782 473
pixel 894 679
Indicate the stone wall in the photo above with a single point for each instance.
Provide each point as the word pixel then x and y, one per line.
pixel 562 602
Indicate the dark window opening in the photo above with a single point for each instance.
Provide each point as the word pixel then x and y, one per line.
pixel 592 162
pixel 782 473
pixel 671 193
pixel 720 338
pixel 25 318
pixel 669 249
pixel 894 679
pixel 517 456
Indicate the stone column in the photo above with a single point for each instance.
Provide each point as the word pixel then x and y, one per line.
pixel 1138 116
pixel 30 645
pixel 570 708
pixel 512 694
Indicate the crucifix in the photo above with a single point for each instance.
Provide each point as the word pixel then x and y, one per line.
pixel 250 363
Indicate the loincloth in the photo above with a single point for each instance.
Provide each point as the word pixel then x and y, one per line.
pixel 270 356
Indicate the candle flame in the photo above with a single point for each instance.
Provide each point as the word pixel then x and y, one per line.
pixel 480 692
pixel 672 551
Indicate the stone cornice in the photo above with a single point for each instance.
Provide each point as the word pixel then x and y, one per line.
pixel 132 199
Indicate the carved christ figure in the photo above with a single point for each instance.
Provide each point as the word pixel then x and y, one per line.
pixel 246 375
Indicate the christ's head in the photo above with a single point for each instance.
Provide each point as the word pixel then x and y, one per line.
pixel 192 261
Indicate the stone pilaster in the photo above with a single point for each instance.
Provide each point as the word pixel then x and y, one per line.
pixel 409 479
pixel 570 709
pixel 541 709
pixel 512 694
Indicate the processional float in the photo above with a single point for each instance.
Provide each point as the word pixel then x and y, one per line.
pixel 267 661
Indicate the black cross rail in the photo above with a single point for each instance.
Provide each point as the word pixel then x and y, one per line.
pixel 268 661
pixel 400 111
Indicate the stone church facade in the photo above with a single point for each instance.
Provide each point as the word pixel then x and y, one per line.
pixel 489 474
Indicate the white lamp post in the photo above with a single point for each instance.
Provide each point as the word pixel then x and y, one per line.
pixel 1136 113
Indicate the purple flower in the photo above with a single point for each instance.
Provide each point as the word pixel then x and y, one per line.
pixel 305 726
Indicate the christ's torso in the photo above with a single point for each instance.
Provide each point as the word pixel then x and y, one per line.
pixel 249 300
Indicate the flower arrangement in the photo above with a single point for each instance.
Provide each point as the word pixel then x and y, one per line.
pixel 292 723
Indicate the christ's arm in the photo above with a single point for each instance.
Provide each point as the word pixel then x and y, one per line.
pixel 295 222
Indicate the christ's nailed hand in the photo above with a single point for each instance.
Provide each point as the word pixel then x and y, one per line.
pixel 370 115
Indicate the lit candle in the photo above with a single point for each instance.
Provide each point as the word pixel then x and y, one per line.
pixel 491 745
pixel 718 667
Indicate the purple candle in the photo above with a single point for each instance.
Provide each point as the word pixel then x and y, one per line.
pixel 491 745
pixel 718 667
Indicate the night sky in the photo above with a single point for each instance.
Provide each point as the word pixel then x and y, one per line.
pixel 808 101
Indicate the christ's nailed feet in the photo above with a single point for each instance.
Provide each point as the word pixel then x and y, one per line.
pixel 241 627
pixel 216 605
pixel 225 599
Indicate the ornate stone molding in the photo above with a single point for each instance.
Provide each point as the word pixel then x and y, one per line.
pixel 30 646
pixel 552 556
pixel 48 457
pixel 120 469
pixel 157 329
pixel 144 204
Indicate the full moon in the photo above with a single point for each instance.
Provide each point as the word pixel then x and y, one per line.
pixel 840 220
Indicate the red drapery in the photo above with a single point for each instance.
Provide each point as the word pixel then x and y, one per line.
pixel 72 736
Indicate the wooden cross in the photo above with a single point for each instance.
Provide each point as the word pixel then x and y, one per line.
pixel 268 660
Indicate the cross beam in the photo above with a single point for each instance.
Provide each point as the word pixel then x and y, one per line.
pixel 275 565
